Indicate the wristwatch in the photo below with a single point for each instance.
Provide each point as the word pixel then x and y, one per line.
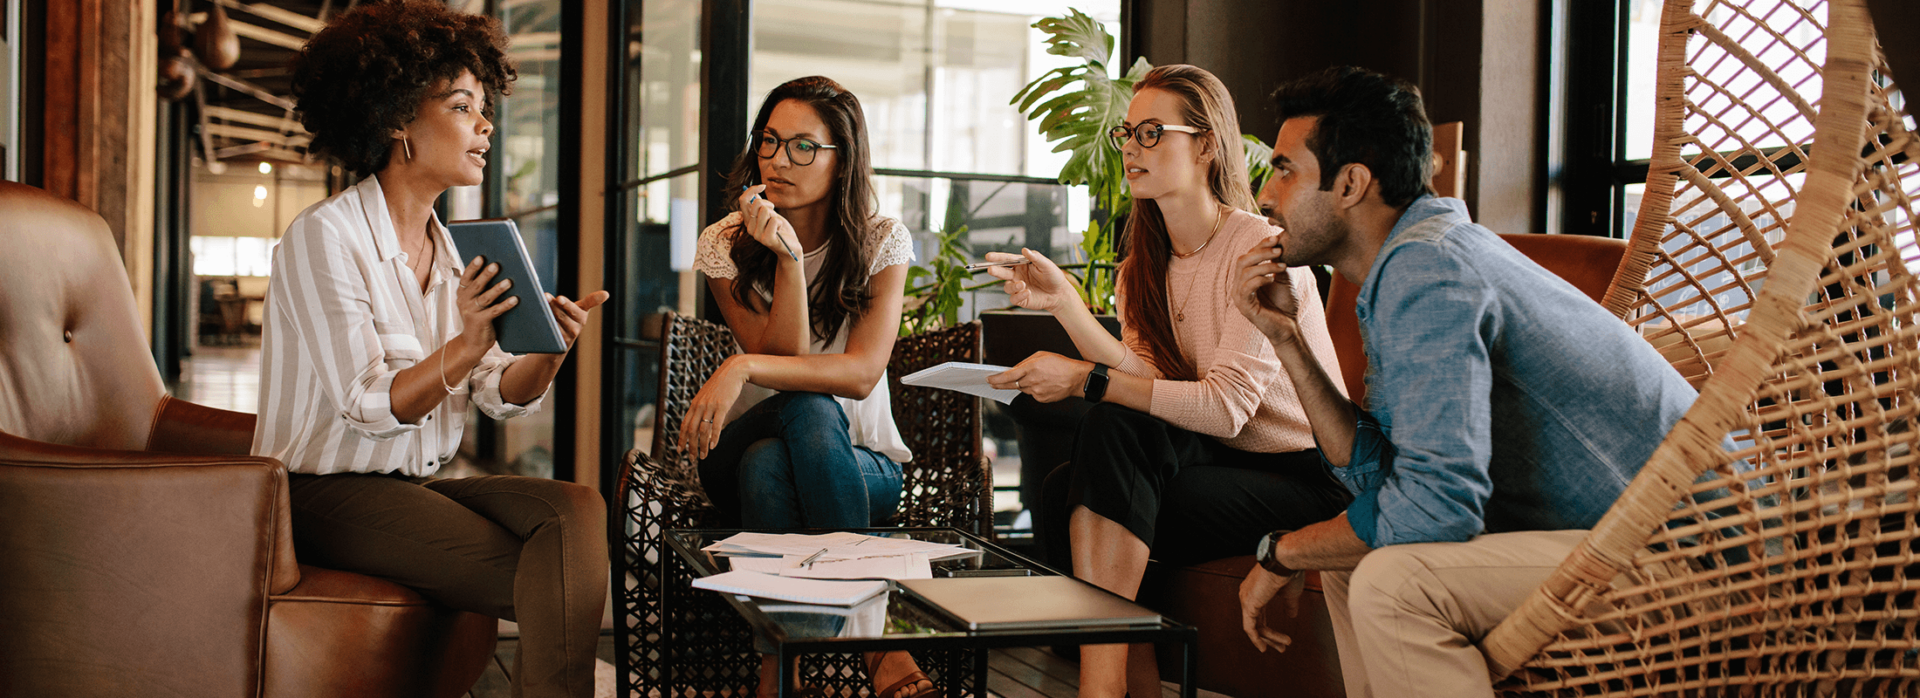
pixel 1264 555
pixel 1096 385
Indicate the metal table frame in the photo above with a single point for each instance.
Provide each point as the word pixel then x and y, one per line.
pixel 771 639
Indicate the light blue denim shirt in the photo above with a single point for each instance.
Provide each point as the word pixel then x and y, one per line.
pixel 1500 397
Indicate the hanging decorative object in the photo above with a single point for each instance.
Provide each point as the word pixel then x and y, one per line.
pixel 216 42
pixel 177 76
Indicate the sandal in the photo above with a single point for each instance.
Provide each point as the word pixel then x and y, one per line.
pixel 911 678
pixel 896 689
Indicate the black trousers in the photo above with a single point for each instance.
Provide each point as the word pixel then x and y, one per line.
pixel 1187 496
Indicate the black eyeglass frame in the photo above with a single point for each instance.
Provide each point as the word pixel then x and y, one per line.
pixel 760 138
pixel 1149 133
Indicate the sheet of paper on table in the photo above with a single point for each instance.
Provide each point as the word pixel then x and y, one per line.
pixel 839 544
pixel 770 586
pixel 886 566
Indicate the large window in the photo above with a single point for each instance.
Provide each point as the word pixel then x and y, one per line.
pixel 524 184
pixel 1721 118
pixel 653 206
pixel 936 78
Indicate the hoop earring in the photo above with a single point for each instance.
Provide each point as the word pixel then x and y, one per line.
pixel 408 147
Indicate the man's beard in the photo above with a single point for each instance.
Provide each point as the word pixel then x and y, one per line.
pixel 1303 249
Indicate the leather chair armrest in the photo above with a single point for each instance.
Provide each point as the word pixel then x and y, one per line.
pixel 184 427
pixel 141 480
pixel 151 570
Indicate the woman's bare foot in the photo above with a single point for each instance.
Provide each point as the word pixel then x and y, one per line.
pixel 896 676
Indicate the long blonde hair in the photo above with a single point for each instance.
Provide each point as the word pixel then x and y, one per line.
pixel 1205 104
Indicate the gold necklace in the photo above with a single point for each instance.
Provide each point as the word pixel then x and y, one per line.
pixel 1219 217
pixel 1180 314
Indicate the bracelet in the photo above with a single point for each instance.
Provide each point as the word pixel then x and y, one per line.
pixel 443 370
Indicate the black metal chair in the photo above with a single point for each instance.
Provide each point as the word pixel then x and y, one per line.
pixel 710 654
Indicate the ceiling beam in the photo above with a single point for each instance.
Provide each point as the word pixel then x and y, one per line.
pixel 277 14
pixel 260 34
pixel 244 133
pixel 277 123
pixel 249 88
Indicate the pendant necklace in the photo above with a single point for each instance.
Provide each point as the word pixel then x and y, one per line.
pixel 1180 314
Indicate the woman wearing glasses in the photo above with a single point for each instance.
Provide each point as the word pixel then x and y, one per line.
pixel 797 431
pixel 1195 445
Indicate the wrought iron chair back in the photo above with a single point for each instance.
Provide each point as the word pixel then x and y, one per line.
pixel 948 483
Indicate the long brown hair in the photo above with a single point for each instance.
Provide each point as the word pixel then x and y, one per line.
pixel 1143 276
pixel 842 293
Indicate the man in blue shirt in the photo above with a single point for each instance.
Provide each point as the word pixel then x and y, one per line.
pixel 1505 410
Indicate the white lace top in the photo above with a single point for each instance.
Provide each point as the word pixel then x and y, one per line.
pixel 869 421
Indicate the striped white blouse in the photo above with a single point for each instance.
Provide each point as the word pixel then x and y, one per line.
pixel 343 316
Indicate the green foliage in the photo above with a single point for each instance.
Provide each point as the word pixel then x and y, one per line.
pixel 1259 161
pixel 1075 106
pixel 933 291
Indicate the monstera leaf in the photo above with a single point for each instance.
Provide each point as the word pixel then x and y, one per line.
pixel 1075 105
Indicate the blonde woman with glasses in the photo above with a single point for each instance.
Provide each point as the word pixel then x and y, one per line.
pixel 1193 444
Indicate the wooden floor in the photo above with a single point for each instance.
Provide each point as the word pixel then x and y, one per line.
pixel 1021 672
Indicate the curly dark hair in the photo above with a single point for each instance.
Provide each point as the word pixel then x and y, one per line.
pixel 367 71
pixel 1366 118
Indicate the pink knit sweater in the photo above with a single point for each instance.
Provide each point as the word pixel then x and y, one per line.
pixel 1243 398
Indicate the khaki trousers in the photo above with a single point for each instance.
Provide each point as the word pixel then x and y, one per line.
pixel 1409 619
pixel 524 549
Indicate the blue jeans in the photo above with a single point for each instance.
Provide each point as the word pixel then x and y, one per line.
pixel 790 463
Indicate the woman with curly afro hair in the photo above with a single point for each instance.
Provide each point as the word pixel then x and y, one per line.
pixel 378 337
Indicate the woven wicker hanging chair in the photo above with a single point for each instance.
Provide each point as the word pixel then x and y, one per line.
pixel 1790 565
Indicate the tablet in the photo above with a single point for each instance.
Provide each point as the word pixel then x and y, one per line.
pixel 529 328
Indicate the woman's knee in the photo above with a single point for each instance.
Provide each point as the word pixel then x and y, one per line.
pixel 581 503
pixel 808 404
pixel 763 460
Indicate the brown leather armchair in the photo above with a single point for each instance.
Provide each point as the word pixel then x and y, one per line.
pixel 1207 595
pixel 142 551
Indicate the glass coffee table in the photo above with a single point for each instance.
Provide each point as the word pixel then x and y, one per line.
pixel 702 646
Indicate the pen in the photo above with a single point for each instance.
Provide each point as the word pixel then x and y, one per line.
pixel 810 558
pixel 783 241
pixel 983 266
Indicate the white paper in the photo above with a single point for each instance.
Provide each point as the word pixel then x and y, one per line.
pixel 767 586
pixel 865 619
pixel 836 545
pixel 963 377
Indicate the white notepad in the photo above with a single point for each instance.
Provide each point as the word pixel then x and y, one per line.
pixel 767 586
pixel 963 377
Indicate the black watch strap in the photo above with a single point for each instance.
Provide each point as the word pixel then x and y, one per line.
pixel 1266 557
pixel 1096 385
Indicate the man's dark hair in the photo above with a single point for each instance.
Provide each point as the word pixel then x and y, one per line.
pixel 364 74
pixel 1365 118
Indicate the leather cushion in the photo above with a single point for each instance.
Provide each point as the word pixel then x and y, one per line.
pixel 1207 596
pixel 345 634
pixel 76 369
pixel 98 562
